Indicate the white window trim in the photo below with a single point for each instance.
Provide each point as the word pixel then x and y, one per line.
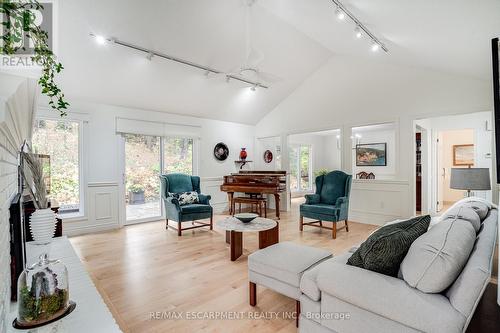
pixel 82 119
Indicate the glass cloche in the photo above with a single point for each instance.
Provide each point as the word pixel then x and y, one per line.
pixel 42 292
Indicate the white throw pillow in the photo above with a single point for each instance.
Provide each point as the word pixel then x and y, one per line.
pixel 186 198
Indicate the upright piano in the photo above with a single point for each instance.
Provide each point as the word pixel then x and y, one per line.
pixel 255 182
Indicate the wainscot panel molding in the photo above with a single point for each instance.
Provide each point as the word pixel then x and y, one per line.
pixel 101 210
pixel 211 186
pixel 379 201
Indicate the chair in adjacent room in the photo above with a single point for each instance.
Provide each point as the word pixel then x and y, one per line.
pixel 180 183
pixel 330 202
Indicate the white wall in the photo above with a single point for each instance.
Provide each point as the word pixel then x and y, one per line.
pixel 103 158
pixel 348 92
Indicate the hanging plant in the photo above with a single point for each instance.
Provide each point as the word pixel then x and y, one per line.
pixel 19 23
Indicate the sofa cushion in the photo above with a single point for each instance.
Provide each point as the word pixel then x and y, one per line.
pixel 464 212
pixel 436 258
pixel 467 289
pixel 386 248
pixel 195 208
pixel 308 282
pixel 480 205
pixel 319 209
pixel 286 261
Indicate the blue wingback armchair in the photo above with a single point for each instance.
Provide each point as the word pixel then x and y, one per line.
pixel 177 183
pixel 329 203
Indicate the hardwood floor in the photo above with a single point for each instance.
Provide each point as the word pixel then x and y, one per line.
pixel 144 269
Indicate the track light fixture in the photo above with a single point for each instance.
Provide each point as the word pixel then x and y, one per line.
pixel 151 53
pixel 339 13
pixel 360 30
pixel 357 32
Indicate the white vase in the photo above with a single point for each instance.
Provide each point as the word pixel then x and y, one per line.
pixel 43 225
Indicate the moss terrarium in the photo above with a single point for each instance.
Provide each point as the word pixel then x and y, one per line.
pixel 43 293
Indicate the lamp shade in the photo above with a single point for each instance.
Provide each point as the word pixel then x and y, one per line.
pixel 470 179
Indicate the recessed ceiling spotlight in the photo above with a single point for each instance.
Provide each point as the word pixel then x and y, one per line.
pixel 150 56
pixel 375 47
pixel 253 88
pixel 228 78
pixel 100 39
pixel 357 32
pixel 339 13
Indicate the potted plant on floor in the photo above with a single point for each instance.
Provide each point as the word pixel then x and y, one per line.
pixel 136 194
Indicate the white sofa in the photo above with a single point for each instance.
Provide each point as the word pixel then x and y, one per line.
pixel 455 257
pixel 341 298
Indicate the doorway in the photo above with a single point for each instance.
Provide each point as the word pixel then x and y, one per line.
pixel 446 143
pixel 311 154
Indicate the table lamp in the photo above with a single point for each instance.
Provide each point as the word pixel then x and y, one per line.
pixel 470 179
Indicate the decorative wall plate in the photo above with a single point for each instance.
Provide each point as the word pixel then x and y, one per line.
pixel 221 152
pixel 268 156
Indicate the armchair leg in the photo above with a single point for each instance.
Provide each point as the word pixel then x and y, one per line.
pixel 253 293
pixel 179 230
pixel 320 224
pixel 212 221
pixel 301 225
pixel 334 230
pixel 166 224
pixel 346 226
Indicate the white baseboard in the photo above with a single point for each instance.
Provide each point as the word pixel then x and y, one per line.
pixel 75 230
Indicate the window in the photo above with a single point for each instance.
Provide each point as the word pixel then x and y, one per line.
pixel 60 141
pixel 300 168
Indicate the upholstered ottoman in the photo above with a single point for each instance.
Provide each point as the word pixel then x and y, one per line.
pixel 280 267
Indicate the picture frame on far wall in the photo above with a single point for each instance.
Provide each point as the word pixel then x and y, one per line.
pixel 371 154
pixel 463 155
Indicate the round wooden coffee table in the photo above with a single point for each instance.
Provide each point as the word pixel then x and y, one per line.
pixel 268 233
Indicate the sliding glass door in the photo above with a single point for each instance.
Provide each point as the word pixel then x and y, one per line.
pixel 142 185
pixel 178 155
pixel 146 158
pixel 300 168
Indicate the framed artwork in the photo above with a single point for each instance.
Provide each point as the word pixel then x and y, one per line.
pixel 268 156
pixel 221 152
pixel 371 154
pixel 463 155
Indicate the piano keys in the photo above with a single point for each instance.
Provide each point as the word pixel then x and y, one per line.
pixel 255 182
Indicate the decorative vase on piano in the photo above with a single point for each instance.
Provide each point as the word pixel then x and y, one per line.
pixel 243 154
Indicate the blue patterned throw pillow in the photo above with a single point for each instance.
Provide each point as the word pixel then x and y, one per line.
pixel 186 198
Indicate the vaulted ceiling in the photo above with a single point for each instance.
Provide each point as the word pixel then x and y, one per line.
pixel 296 37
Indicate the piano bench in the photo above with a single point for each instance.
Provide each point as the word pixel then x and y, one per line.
pixel 258 202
